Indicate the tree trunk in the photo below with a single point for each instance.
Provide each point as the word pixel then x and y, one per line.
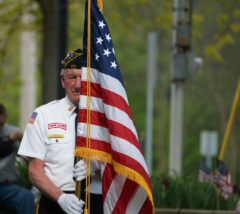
pixel 50 49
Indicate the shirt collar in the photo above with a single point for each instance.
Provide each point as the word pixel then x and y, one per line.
pixel 70 107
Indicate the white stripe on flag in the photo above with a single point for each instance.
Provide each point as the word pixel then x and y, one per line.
pixel 137 201
pixel 113 193
pixel 96 132
pixel 96 103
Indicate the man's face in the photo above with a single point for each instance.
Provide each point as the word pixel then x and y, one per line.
pixel 71 82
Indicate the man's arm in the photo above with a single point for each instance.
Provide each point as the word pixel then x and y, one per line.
pixel 68 202
pixel 39 179
pixel 15 134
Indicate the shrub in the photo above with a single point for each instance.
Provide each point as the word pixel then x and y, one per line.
pixel 188 193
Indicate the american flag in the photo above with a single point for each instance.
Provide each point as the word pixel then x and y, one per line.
pixel 113 137
pixel 222 179
pixel 204 172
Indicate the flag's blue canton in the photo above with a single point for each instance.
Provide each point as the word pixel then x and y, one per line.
pixel 102 54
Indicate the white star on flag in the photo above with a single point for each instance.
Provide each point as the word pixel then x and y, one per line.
pixel 113 65
pixel 101 24
pixel 99 40
pixel 108 37
pixel 97 56
pixel 106 52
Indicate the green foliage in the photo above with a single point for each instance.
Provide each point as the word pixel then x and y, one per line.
pixel 186 192
pixel 214 51
pixel 23 173
pixel 11 13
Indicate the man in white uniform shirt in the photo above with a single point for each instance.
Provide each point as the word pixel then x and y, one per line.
pixel 49 143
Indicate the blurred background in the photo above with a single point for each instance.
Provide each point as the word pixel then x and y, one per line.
pixel 152 45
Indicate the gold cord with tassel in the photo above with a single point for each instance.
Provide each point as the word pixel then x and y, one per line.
pixel 87 196
pixel 87 202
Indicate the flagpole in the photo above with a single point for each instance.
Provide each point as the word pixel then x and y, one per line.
pixel 78 184
pixel 230 122
pixel 88 137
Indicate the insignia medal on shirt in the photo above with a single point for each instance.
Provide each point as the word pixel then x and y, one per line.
pixel 70 108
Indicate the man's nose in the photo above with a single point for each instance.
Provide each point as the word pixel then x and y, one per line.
pixel 78 82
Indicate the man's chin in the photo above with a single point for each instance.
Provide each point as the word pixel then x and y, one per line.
pixel 76 100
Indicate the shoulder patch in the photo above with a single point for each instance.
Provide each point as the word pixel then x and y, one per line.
pixel 33 117
pixel 57 125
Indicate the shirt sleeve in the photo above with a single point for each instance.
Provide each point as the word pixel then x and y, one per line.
pixel 33 141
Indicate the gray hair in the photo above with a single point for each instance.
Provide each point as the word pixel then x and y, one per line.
pixel 62 72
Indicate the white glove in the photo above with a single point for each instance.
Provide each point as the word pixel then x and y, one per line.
pixel 70 204
pixel 79 170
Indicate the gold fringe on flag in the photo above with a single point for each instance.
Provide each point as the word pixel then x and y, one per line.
pixel 100 5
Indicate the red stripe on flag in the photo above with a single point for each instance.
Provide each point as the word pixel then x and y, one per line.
pixel 95 89
pixel 94 144
pixel 97 118
pixel 108 175
pixel 129 189
pixel 146 208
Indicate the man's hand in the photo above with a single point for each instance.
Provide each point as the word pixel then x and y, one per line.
pixel 79 170
pixel 15 135
pixel 70 204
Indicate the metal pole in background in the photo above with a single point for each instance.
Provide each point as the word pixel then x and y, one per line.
pixel 180 47
pixel 63 4
pixel 176 123
pixel 151 73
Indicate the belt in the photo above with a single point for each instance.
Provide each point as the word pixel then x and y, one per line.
pixel 69 192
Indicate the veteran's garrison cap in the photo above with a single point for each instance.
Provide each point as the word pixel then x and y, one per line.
pixel 74 59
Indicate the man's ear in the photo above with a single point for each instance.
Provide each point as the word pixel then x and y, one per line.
pixel 62 81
